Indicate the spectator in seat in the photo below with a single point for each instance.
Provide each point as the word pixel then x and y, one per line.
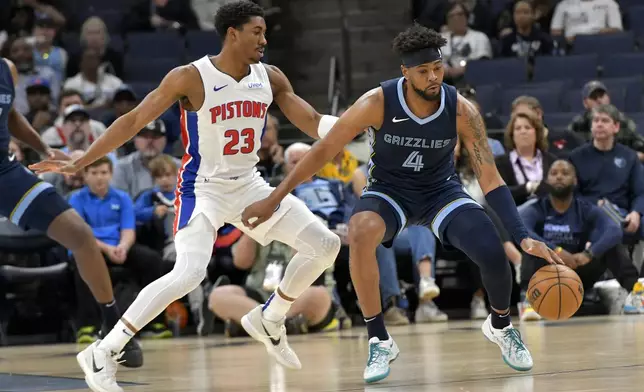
pixel 132 173
pixel 463 43
pixel 585 238
pixel 523 168
pixel 94 35
pixel 313 311
pixel 40 115
pixel 155 206
pixel 341 167
pixel 96 86
pixel 150 15
pixel 77 132
pixel 610 174
pixel 525 39
pixel 45 52
pixel 123 101
pixel 22 55
pixel 560 142
pixel 594 94
pixel 574 17
pixel 54 136
pixel 110 214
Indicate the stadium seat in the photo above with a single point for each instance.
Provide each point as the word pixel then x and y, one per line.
pixel 142 88
pixel 635 17
pixel 558 120
pixel 580 67
pixel 143 70
pixel 550 98
pixel 155 45
pixel 488 97
pixel 639 121
pixel 603 44
pixel 201 43
pixel 502 71
pixel 623 65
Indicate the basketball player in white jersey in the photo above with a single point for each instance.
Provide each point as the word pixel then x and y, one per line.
pixel 224 102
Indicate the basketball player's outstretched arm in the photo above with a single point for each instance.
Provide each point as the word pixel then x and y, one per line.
pixel 299 112
pixel 368 111
pixel 471 132
pixel 174 86
pixel 23 131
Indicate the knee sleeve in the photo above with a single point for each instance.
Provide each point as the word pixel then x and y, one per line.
pixel 318 243
pixel 317 247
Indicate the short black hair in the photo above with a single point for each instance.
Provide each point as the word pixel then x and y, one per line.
pixel 235 15
pixel 417 37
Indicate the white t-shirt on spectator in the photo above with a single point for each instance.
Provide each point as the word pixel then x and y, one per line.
pixel 473 45
pixel 94 94
pixel 576 17
pixel 53 135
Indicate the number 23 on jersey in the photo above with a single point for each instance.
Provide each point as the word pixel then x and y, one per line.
pixel 239 142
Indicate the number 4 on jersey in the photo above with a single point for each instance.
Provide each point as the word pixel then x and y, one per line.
pixel 414 161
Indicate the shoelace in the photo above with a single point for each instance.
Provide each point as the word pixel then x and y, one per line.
pixel 376 352
pixel 516 344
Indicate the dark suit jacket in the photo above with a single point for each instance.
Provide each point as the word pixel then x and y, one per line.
pixel 519 192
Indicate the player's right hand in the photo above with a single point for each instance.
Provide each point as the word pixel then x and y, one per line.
pixel 539 249
pixel 53 165
pixel 259 212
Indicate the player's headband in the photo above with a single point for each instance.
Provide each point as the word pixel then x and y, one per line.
pixel 423 56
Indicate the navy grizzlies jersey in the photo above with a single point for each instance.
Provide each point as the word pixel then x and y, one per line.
pixel 413 154
pixel 6 100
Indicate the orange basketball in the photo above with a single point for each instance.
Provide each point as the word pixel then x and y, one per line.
pixel 555 292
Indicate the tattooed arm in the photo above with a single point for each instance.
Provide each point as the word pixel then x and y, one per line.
pixel 471 132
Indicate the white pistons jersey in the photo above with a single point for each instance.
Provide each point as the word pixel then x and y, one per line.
pixel 223 137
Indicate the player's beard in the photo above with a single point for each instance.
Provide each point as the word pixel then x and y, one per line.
pixel 425 96
pixel 561 192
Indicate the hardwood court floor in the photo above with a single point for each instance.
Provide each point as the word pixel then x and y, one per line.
pixel 585 354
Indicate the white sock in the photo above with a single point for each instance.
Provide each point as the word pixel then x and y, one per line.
pixel 276 308
pixel 117 338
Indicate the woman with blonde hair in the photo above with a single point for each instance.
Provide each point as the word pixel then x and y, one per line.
pixel 527 160
pixel 95 36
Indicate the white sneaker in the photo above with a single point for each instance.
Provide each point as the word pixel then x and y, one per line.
pixel 428 312
pixel 99 366
pixel 381 354
pixel 273 276
pixel 428 289
pixel 478 311
pixel 514 352
pixel 273 335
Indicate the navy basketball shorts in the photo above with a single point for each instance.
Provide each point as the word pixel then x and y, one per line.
pixel 27 201
pixel 433 209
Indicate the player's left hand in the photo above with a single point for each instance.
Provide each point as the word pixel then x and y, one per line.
pixel 261 210
pixel 539 249
pixel 57 155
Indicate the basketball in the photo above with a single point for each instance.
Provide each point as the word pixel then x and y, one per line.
pixel 555 292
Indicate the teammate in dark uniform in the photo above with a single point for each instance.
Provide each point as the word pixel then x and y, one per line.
pixel 414 122
pixel 33 204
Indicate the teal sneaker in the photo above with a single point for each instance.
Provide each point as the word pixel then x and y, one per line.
pixel 515 353
pixel 381 354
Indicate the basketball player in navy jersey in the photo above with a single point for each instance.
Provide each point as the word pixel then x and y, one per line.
pixel 413 122
pixel 33 204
